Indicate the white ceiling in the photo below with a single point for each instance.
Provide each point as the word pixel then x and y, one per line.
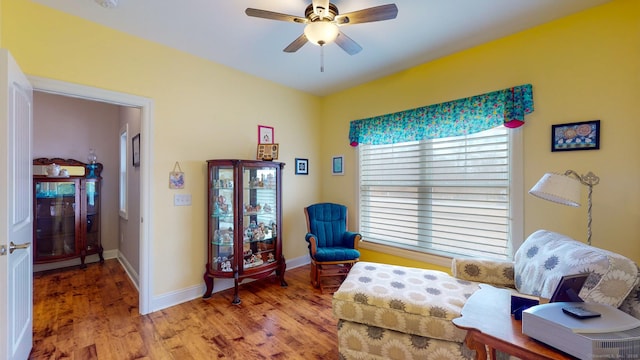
pixel 220 31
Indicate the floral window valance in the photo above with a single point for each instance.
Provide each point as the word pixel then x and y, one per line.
pixel 454 118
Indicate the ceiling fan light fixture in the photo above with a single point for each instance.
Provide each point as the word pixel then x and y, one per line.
pixel 321 32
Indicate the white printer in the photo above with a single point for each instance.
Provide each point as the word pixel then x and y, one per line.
pixel 611 335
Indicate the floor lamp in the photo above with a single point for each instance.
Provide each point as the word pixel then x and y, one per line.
pixel 565 189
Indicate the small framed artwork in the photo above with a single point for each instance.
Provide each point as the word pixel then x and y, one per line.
pixel 337 165
pixel 267 152
pixel 176 180
pixel 135 150
pixel 265 134
pixel 302 166
pixel 576 136
pixel 176 177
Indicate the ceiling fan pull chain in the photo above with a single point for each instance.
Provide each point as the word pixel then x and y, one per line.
pixel 321 58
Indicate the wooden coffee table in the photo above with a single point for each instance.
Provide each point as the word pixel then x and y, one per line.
pixel 487 318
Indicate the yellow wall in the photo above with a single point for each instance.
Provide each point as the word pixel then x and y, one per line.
pixel 202 110
pixel 370 255
pixel 582 67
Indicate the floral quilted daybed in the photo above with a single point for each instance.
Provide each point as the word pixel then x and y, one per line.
pixel 395 312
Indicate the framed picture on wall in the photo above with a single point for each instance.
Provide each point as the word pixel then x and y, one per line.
pixel 265 134
pixel 135 150
pixel 337 165
pixel 302 166
pixel 267 152
pixel 583 135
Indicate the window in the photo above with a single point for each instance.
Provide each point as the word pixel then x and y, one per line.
pixel 124 140
pixel 456 196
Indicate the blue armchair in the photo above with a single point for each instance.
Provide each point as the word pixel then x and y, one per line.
pixel 332 248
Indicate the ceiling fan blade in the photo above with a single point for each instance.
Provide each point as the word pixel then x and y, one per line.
pixel 265 14
pixel 377 13
pixel 296 44
pixel 347 44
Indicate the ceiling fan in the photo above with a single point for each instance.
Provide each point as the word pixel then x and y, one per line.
pixel 322 20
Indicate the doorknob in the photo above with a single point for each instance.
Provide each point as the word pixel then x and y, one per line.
pixel 13 246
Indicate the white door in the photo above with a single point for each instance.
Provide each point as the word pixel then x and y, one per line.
pixel 16 215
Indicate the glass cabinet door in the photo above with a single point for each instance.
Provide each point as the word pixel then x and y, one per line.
pixel 92 241
pixel 259 216
pixel 222 218
pixel 55 221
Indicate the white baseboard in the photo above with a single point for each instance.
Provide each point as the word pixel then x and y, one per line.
pixel 107 254
pixel 299 261
pixel 180 296
pixel 133 275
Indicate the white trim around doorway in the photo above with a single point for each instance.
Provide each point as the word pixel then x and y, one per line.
pixel 146 126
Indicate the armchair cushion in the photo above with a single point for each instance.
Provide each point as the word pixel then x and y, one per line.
pixel 328 222
pixel 336 254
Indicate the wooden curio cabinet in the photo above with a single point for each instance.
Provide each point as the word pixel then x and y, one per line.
pixel 66 211
pixel 245 221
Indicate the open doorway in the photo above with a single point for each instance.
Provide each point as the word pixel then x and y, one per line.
pixel 142 107
pixel 71 128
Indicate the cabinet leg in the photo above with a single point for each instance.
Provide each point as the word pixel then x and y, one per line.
pixel 208 281
pixel 83 255
pixel 236 298
pixel 100 251
pixel 280 272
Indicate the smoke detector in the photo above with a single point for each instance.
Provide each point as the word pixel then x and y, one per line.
pixel 107 3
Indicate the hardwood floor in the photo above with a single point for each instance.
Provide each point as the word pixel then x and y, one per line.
pixel 93 314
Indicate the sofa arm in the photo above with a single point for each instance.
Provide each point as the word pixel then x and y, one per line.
pixel 494 272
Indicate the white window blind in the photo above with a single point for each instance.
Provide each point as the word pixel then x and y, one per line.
pixel 447 196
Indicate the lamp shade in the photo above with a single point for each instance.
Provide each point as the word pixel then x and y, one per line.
pixel 558 188
pixel 321 32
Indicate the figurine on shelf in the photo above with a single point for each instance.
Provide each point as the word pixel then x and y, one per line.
pixel 226 266
pixel 258 234
pixel 267 208
pixel 255 261
pixel 252 261
pixel 252 209
pixel 226 239
pixel 222 205
pixel 271 258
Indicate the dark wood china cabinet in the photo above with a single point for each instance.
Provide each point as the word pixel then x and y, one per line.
pixel 244 222
pixel 66 195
